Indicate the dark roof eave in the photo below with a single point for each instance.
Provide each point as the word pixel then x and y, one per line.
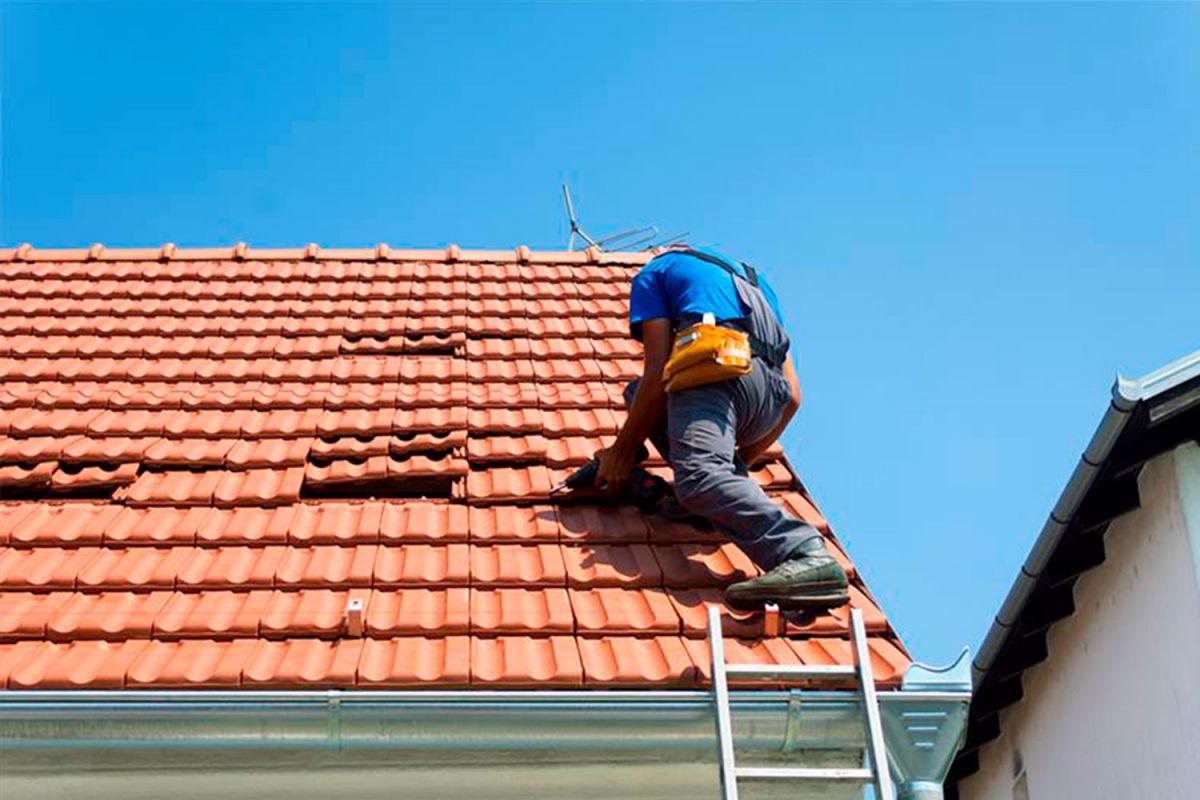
pixel 1175 388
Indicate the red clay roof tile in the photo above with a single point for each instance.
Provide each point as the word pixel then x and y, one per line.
pixel 329 523
pixel 526 661
pixel 188 664
pixel 420 521
pixel 578 421
pixel 417 465
pixel 44 567
pixel 431 612
pixel 630 566
pixel 592 394
pixel 502 395
pixel 72 477
pixel 423 565
pixel 607 611
pixel 75 665
pixel 507 449
pixel 33 449
pixel 174 526
pixel 517 565
pixel 521 610
pixel 508 483
pixel 504 420
pixel 326 565
pixel 27 475
pixel 187 452
pixel 636 662
pixel 339 446
pixel 687 566
pixel 624 524
pixel 247 525
pixel 269 453
pixel 691 606
pixel 109 615
pixel 416 661
pixel 509 371
pixel 212 614
pixel 235 567
pixel 63 524
pixel 346 471
pixel 23 615
pixel 303 663
pixel 310 612
pixel 517 524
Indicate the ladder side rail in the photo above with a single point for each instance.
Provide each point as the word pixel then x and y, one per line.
pixel 870 700
pixel 729 789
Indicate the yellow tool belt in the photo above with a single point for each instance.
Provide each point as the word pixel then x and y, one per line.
pixel 707 353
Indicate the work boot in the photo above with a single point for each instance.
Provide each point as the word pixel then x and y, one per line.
pixel 811 579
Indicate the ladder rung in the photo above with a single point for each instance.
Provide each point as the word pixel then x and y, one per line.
pixel 815 671
pixel 805 773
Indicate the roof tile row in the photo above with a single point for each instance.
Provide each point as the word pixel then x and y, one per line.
pixel 287 318
pixel 408 661
pixel 165 397
pixel 352 368
pixel 243 423
pixel 302 287
pixel 61 524
pixel 165 614
pixel 586 565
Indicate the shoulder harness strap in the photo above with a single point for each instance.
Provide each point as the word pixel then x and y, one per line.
pixel 771 355
pixel 751 276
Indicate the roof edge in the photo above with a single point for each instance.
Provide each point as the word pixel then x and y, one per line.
pixel 1127 393
pixel 1131 390
pixel 1129 396
pixel 312 252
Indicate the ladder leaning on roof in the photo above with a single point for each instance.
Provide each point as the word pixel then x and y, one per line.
pixel 860 673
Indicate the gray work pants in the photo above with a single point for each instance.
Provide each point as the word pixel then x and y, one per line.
pixel 699 439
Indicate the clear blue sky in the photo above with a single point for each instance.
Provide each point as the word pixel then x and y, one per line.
pixel 974 214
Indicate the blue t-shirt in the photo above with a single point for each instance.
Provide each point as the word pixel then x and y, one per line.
pixel 680 287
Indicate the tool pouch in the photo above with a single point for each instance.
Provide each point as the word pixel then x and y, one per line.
pixel 706 353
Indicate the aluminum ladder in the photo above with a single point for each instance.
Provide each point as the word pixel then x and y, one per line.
pixel 860 673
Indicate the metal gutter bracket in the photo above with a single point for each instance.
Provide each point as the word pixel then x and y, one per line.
pixel 925 724
pixel 333 701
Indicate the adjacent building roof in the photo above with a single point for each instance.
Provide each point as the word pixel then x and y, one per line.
pixel 1145 418
pixel 234 467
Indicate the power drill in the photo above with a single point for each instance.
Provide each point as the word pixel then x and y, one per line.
pixel 645 488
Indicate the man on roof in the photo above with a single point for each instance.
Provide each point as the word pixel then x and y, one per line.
pixel 714 415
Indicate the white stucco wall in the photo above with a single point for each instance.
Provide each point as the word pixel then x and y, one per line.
pixel 1114 712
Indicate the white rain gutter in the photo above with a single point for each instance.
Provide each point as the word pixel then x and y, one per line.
pixel 44 735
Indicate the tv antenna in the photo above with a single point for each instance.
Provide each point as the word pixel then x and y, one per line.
pixel 646 237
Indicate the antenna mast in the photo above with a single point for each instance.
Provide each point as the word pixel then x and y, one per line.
pixel 628 239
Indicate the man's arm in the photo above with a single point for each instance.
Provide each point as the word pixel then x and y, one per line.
pixel 649 405
pixel 751 453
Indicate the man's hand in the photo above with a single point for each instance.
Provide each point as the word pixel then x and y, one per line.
pixel 649 405
pixel 615 468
